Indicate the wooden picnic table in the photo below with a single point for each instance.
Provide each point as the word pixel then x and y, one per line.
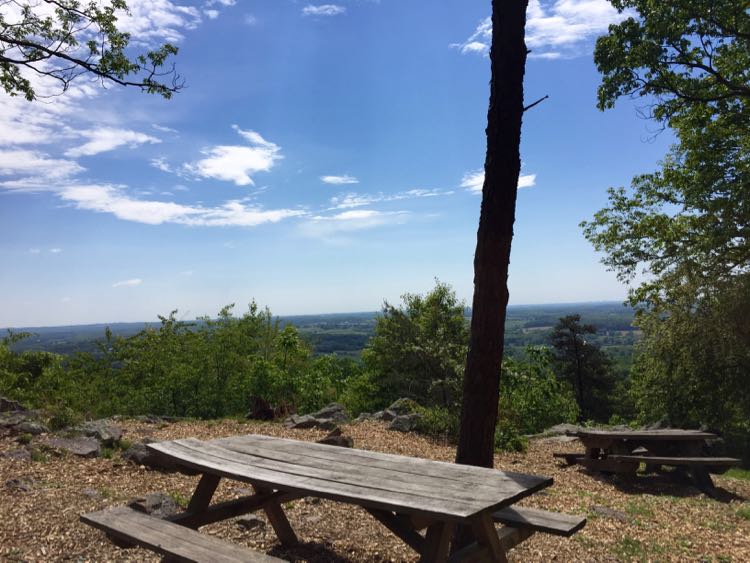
pixel 405 494
pixel 622 451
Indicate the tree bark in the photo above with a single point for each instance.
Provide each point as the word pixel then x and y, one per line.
pixel 501 170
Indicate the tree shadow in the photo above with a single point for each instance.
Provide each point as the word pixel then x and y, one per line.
pixel 665 483
pixel 312 552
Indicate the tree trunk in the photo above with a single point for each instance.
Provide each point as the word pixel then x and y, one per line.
pixel 501 169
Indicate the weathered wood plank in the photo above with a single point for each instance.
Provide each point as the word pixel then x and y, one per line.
pixel 540 520
pixel 173 540
pixel 366 473
pixel 388 494
pixel 437 543
pixel 511 537
pixel 277 518
pixel 231 464
pixel 464 474
pixel 229 509
pixel 203 494
pixel 677 460
pixel 486 535
pixel 655 435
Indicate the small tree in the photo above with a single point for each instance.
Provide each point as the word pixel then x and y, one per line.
pixel 64 39
pixel 584 366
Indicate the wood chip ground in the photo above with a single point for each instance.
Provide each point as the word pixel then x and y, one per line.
pixel 658 520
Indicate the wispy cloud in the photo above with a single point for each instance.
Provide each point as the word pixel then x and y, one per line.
pixel 237 163
pixel 34 170
pixel 338 180
pixel 115 200
pixel 349 221
pixel 323 10
pixel 352 200
pixel 105 139
pixel 554 29
pixel 128 283
pixel 55 250
pixel 473 181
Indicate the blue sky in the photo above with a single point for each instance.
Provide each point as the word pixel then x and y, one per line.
pixel 323 158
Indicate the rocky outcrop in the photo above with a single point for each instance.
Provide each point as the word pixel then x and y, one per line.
pixel 104 431
pixel 337 438
pixel 82 446
pixel 139 454
pixel 405 422
pixel 159 505
pixel 327 418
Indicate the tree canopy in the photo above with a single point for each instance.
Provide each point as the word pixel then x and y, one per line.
pixel 64 39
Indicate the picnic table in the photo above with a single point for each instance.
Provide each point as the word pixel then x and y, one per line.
pixel 405 494
pixel 622 451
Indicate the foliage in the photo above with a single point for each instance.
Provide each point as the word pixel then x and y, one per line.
pixel 64 39
pixel 685 226
pixel 419 349
pixel 585 367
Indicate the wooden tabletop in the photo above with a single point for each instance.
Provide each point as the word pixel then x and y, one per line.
pixel 401 484
pixel 656 435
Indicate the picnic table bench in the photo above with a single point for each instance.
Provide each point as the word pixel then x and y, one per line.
pixel 622 451
pixel 407 495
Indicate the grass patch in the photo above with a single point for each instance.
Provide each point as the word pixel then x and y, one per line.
pixel 638 509
pixel 744 512
pixel 629 548
pixel 737 473
pixel 180 499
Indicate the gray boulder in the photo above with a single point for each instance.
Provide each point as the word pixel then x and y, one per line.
pixel 81 446
pixel 22 484
pixel 102 430
pixel 309 421
pixel 385 416
pixel 336 438
pixel 610 513
pixel 7 405
pixel 405 422
pixel 159 505
pixel 362 417
pixel 403 406
pixel 334 411
pixel 564 429
pixel 21 454
pixel 139 454
pixel 31 427
pixel 250 522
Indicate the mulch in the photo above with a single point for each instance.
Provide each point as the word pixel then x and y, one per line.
pixel 642 519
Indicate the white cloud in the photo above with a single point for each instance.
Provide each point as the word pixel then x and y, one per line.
pixel 349 221
pixel 473 181
pixel 554 28
pixel 323 10
pixel 161 163
pixel 55 250
pixel 105 139
pixel 154 21
pixel 237 163
pixel 34 170
pixel 211 14
pixel 352 200
pixel 128 283
pixel 250 19
pixel 163 128
pixel 115 200
pixel 338 180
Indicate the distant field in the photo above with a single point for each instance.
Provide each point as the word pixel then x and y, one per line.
pixel 346 334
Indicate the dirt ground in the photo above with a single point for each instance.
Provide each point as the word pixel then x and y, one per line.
pixel 650 518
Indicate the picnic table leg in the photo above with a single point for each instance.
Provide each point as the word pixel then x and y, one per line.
pixel 703 481
pixel 486 535
pixel 279 521
pixel 437 543
pixel 203 494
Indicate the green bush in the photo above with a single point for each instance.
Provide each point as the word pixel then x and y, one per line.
pixel 438 422
pixel 508 438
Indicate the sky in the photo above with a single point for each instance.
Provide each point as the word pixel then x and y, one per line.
pixel 323 157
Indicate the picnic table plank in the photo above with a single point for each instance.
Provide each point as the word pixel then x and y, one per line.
pixel 177 542
pixel 662 460
pixel 540 520
pixel 666 434
pixel 385 470
pixel 211 458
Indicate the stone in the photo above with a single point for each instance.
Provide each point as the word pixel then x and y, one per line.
pixel 362 417
pixel 102 430
pixel 336 438
pixel 250 522
pixel 564 429
pixel 31 427
pixel 158 505
pixel 309 421
pixel 12 419
pixel 334 411
pixel 21 454
pixel 22 484
pixel 82 446
pixel 405 422
pixel 91 493
pixel 8 405
pixel 139 454
pixel 386 415
pixel 607 512
pixel 403 406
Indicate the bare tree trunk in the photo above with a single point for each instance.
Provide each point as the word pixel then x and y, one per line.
pixel 501 169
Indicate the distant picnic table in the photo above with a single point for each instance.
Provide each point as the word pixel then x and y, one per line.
pixel 622 451
pixel 405 494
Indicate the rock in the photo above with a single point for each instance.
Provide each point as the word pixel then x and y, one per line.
pixel 22 484
pixel 12 419
pixel 335 438
pixel 260 409
pixel 21 454
pixel 607 512
pixel 312 500
pixel 82 446
pixel 561 439
pixel 362 417
pixel 102 430
pixel 7 405
pixel 334 411
pixel 405 422
pixel 159 505
pixel 250 522
pixel 564 429
pixel 91 493
pixel 386 415
pixel 139 454
pixel 309 421
pixel 403 406
pixel 660 424
pixel 31 427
